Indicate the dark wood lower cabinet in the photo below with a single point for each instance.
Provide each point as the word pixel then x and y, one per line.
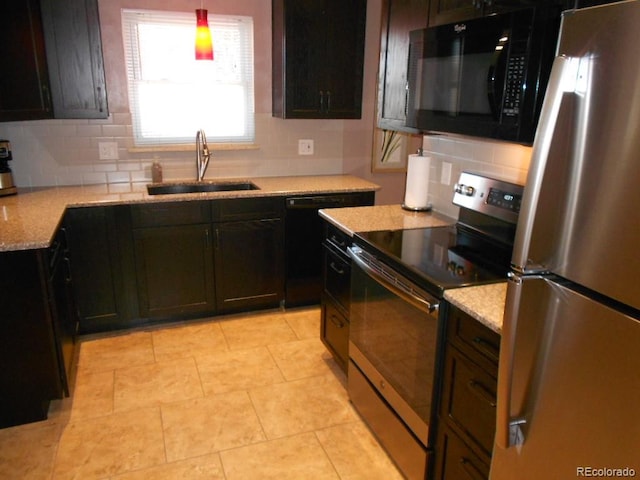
pixel 249 264
pixel 467 411
pixel 174 266
pixel 336 296
pixel 102 266
pixel 31 374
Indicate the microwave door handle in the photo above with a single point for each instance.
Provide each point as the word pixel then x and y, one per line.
pixel 491 88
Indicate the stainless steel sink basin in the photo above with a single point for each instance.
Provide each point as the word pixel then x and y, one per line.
pixel 176 188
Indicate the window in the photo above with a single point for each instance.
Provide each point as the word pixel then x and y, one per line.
pixel 171 95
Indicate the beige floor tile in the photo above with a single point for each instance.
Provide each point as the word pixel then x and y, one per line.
pixel 356 454
pixel 302 358
pixel 305 322
pixel 207 425
pixel 202 338
pixel 257 330
pixel 93 395
pixel 28 452
pixel 207 467
pixel 295 458
pixel 302 406
pixel 97 448
pixel 237 370
pixel 115 352
pixel 161 382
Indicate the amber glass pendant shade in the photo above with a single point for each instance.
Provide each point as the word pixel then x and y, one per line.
pixel 204 45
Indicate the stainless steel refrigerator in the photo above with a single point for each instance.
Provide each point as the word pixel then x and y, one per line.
pixel 569 376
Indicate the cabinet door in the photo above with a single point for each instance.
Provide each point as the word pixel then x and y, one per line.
pixel 29 377
pixel 97 268
pixel 249 259
pixel 318 55
pixel 24 87
pixel 175 270
pixel 344 58
pixel 399 18
pixel 74 54
pixel 449 11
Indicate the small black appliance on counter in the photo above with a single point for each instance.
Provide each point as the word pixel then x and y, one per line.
pixel 7 187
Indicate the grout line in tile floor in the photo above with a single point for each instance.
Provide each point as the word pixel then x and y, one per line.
pixel 243 397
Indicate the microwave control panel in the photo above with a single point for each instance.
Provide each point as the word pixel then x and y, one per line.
pixel 515 79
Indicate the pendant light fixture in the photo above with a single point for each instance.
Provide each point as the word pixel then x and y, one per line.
pixel 204 45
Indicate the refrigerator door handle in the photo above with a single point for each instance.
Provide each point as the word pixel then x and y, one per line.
pixel 563 79
pixel 508 430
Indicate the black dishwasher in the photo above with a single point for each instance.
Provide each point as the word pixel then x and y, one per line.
pixel 303 242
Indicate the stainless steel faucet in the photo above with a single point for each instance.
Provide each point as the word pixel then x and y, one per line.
pixel 202 155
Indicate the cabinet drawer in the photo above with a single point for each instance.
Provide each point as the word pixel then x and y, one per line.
pixel 336 237
pixel 170 213
pixel 476 340
pixel 469 399
pixel 456 461
pixel 337 277
pixel 254 208
pixel 335 332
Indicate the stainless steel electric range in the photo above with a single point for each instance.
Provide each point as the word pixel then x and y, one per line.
pixel 396 325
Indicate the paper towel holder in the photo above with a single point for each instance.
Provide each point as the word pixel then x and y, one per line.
pixel 424 208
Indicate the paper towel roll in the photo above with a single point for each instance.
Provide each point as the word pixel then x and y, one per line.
pixel 417 187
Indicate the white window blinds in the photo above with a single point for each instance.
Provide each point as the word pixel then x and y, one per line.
pixel 171 95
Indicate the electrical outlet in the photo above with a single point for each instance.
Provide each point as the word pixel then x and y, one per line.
pixel 108 150
pixel 445 174
pixel 305 147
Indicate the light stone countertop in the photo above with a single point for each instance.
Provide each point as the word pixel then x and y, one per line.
pixel 484 303
pixel 382 217
pixel 29 219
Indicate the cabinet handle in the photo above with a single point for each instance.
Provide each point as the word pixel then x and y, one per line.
pixel 336 268
pixel 480 391
pixel 487 346
pixel 46 97
pixel 337 241
pixel 68 277
pixel 328 100
pixel 470 469
pixel 100 106
pixel 336 321
pixel 321 101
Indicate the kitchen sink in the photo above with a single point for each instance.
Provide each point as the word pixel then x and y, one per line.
pixel 193 187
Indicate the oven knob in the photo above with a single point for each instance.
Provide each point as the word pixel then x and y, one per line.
pixel 462 189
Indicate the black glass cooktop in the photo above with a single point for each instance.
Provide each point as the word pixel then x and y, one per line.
pixel 439 258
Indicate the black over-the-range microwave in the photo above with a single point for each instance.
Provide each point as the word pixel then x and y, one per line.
pixel 485 77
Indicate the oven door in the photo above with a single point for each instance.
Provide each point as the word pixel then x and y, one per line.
pixel 393 341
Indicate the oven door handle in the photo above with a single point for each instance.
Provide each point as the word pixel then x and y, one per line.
pixel 394 282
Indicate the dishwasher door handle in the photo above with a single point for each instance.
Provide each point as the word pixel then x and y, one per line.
pixel 315 202
pixel 394 282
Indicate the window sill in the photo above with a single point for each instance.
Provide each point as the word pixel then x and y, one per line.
pixel 192 147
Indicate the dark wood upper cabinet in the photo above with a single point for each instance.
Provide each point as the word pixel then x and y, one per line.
pixel 318 57
pixel 74 57
pixel 399 17
pixel 24 82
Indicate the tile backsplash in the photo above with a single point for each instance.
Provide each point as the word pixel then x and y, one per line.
pixel 506 161
pixel 65 152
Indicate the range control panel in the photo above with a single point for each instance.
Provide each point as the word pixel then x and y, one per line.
pixel 490 196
